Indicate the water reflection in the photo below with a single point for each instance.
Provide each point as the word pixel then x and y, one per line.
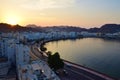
pixel 99 54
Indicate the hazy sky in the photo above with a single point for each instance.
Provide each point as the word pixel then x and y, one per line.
pixel 84 13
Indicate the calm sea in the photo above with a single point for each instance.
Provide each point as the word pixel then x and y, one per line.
pixel 96 53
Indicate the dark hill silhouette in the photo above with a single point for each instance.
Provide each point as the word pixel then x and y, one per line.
pixel 107 28
pixel 4 27
pixel 93 30
pixel 110 28
pixel 64 28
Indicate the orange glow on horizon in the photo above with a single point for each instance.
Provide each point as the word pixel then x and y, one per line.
pixel 12 19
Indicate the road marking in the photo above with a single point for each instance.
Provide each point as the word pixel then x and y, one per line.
pixel 81 74
pixel 90 71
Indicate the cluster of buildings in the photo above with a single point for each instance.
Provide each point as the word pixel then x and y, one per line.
pixel 103 35
pixel 56 35
pixel 16 54
pixel 49 35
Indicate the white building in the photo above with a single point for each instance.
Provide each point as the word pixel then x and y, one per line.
pixel 37 70
pixel 22 54
pixel 22 57
pixel 87 34
pixel 19 54
pixel 31 70
pixel 8 48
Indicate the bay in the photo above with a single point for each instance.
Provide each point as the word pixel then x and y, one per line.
pixel 102 55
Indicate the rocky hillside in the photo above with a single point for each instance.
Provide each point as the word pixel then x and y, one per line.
pixel 107 28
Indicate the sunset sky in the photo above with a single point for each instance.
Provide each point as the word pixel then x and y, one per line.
pixel 83 13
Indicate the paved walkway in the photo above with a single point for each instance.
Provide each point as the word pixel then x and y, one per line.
pixel 86 72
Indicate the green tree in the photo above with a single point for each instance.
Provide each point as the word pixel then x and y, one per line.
pixel 55 61
pixel 49 52
pixel 50 60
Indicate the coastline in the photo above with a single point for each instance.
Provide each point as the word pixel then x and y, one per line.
pixel 51 40
pixel 91 70
pixel 94 71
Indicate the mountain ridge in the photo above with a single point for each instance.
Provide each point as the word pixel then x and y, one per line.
pixel 106 28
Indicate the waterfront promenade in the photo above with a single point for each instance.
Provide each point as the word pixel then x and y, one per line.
pixel 75 71
pixel 78 72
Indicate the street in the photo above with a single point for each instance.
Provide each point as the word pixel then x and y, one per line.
pixel 75 73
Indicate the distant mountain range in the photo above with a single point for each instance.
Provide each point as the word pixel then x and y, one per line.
pixel 9 28
pixel 107 28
